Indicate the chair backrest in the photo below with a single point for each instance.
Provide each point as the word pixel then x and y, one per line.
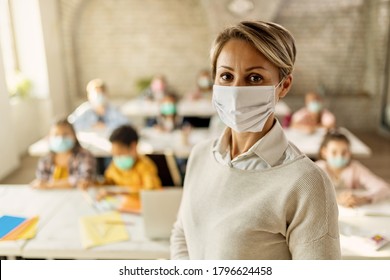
pixel 167 169
pixel 197 121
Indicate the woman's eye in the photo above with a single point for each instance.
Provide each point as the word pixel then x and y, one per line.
pixel 255 78
pixel 227 77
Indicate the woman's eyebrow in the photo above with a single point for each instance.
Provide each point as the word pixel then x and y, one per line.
pixel 227 67
pixel 247 69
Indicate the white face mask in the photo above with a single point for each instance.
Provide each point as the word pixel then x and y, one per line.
pixel 245 109
pixel 97 99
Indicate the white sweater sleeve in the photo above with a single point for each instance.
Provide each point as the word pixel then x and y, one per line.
pixel 312 215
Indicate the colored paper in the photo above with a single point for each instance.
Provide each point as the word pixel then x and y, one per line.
pixel 9 223
pixel 26 230
pixel 102 229
pixel 130 204
pixel 16 228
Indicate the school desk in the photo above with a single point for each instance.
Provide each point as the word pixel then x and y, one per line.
pixel 186 108
pixel 154 141
pixel 21 200
pixel 151 141
pixel 58 234
pixel 61 237
pixel 310 143
pixel 355 239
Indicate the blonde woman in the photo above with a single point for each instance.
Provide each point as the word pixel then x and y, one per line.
pixel 251 194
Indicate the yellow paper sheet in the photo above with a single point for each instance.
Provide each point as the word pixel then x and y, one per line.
pixel 102 229
pixel 31 230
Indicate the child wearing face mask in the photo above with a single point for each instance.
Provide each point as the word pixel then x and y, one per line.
pixel 204 86
pixel 348 175
pixel 313 115
pixel 128 169
pixel 97 113
pixel 168 120
pixel 67 165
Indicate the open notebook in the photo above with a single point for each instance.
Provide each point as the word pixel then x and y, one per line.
pixel 102 229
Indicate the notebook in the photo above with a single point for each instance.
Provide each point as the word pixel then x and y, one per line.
pixel 159 211
pixel 102 229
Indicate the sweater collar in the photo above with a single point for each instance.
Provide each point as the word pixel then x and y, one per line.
pixel 270 148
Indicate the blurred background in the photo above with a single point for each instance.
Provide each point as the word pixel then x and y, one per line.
pixel 50 49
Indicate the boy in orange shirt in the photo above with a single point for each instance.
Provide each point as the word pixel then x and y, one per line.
pixel 128 169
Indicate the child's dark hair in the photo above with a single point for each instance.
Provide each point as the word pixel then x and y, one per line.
pixel 332 135
pixel 125 135
pixel 65 122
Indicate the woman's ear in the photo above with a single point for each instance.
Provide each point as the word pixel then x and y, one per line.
pixel 285 86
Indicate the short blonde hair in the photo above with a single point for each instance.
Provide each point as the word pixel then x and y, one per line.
pixel 274 41
pixel 96 83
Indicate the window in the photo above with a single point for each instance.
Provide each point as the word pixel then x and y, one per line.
pixel 17 83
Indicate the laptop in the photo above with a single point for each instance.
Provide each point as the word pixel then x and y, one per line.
pixel 159 211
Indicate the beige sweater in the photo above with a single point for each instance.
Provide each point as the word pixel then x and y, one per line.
pixel 284 212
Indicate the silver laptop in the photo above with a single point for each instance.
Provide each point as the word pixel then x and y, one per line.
pixel 159 211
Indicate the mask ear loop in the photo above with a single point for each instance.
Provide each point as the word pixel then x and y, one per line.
pixel 276 101
pixel 281 81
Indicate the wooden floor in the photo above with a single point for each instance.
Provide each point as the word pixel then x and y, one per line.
pixel 379 162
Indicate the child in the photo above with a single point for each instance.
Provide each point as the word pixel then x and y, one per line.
pixel 168 119
pixel 349 175
pixel 313 115
pixel 128 169
pixel 204 86
pixel 97 113
pixel 68 165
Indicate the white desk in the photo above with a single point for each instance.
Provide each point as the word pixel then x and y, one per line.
pixel 155 141
pixel 61 237
pixel 191 108
pixel 310 143
pixel 151 141
pixel 94 141
pixel 364 221
pixel 21 200
pixel 147 108
pixel 58 234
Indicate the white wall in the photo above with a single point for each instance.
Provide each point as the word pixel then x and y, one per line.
pixel 52 44
pixel 8 151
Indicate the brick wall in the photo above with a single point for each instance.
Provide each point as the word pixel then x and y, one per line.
pixel 341 46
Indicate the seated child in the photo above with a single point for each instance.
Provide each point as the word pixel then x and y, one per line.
pixel 97 112
pixel 204 86
pixel 128 169
pixel 349 175
pixel 168 119
pixel 67 165
pixel 313 115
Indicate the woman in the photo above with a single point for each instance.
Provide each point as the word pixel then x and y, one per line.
pixel 251 194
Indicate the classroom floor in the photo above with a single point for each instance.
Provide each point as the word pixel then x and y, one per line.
pixel 379 162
